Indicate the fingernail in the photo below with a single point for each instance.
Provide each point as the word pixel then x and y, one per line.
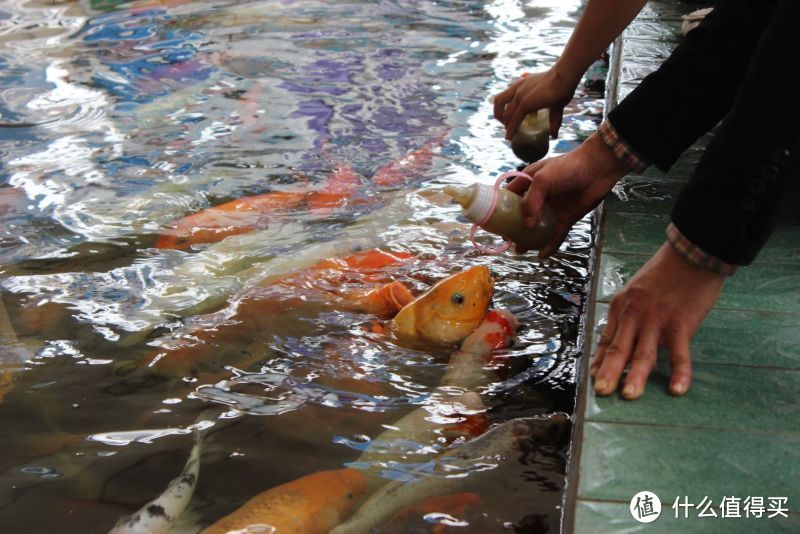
pixel 630 392
pixel 680 388
pixel 601 385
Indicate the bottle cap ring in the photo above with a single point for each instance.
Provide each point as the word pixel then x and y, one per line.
pixel 506 244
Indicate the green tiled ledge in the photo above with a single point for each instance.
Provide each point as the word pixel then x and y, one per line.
pixel 773 339
pixel 721 397
pixel 632 232
pixel 759 287
pixel 737 432
pixel 597 517
pixel 624 459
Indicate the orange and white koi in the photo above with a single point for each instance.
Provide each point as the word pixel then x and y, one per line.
pixel 250 213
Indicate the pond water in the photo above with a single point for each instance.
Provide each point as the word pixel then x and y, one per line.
pixel 116 120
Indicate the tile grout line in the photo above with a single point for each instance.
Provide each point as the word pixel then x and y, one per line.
pixel 607 300
pixel 590 419
pixel 650 254
pixel 627 503
pixel 572 490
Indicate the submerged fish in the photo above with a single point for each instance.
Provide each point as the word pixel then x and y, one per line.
pixel 158 515
pixel 313 504
pixel 399 171
pixel 442 316
pixel 307 504
pixel 250 213
pixel 456 410
pixel 451 512
pixel 13 353
pixel 359 282
pixel 455 468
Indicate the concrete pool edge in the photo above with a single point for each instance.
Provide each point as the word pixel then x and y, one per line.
pixel 582 373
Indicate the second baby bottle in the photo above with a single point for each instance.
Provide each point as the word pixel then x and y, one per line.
pixel 499 211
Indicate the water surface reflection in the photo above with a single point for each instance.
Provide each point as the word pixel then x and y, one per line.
pixel 127 117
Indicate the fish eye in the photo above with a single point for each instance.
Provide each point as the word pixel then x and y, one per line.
pixel 457 298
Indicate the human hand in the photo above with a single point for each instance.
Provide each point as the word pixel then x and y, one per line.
pixel 663 304
pixel 531 93
pixel 571 184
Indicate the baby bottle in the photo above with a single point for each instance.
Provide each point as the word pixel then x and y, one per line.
pixel 531 142
pixel 499 211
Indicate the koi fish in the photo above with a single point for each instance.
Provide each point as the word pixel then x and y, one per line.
pixel 451 416
pixel 158 515
pixel 455 417
pixel 309 505
pixel 399 171
pixel 249 213
pixel 253 312
pixel 442 316
pixel 447 312
pixel 463 298
pixel 501 443
pixel 471 366
pixel 459 508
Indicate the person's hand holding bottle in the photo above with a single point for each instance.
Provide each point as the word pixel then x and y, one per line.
pixel 572 184
pixel 532 92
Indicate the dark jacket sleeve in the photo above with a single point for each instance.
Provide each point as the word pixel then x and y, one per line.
pixel 695 87
pixel 749 176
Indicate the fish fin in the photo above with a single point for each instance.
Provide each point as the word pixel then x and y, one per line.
pixel 384 301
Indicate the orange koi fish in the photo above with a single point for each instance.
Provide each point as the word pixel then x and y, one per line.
pixel 447 312
pixel 423 426
pixel 462 508
pixel 500 443
pixel 243 215
pixel 250 213
pixel 313 504
pixel 401 170
pixel 329 280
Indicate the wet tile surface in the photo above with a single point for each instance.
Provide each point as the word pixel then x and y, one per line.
pixel 761 286
pixel 603 517
pixel 773 339
pixel 721 396
pixel 643 195
pixel 634 233
pixel 670 462
pixel 654 30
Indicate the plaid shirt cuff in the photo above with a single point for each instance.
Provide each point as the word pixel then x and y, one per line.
pixel 621 149
pixel 694 255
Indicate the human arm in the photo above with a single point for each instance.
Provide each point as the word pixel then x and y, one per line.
pixel 600 22
pixel 748 178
